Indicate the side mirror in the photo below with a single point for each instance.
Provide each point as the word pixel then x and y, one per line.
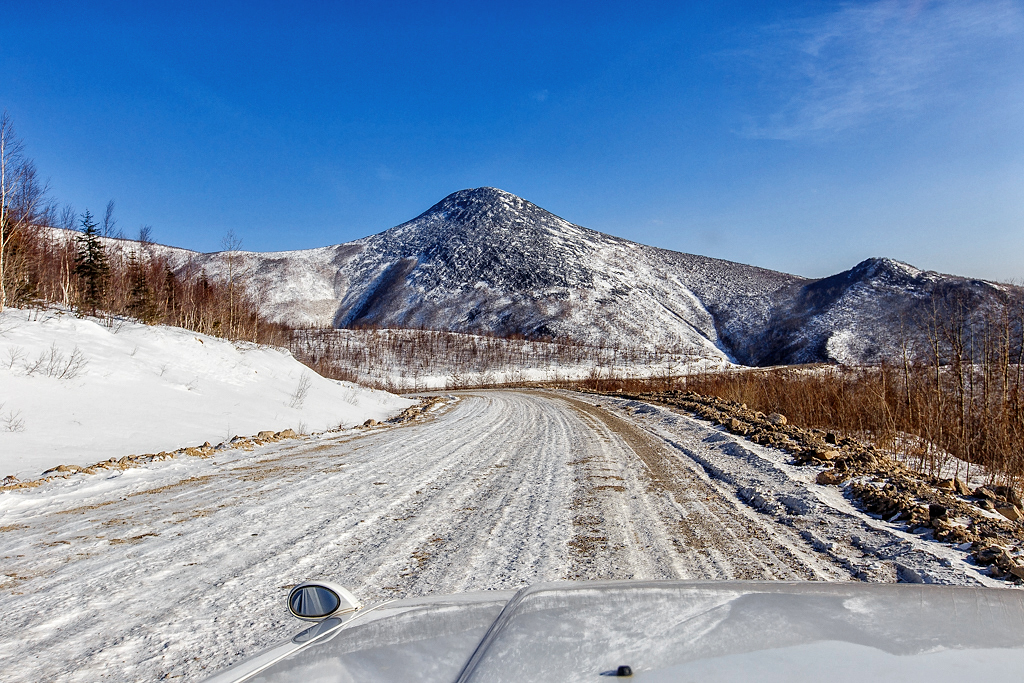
pixel 316 600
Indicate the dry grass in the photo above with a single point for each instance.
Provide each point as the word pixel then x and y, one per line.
pixel 963 415
pixel 954 398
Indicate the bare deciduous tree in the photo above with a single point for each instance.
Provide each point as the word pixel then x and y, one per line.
pixel 109 222
pixel 10 153
pixel 230 246
pixel 21 206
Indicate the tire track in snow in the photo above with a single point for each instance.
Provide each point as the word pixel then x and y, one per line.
pixel 713 536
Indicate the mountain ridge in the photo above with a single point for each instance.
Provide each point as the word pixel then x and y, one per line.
pixel 486 261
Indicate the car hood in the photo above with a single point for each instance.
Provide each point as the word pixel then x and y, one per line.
pixel 664 631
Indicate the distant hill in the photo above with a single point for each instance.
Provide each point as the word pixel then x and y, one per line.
pixel 487 261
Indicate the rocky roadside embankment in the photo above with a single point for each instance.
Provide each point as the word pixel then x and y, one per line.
pixel 11 483
pixel 987 519
pixel 123 463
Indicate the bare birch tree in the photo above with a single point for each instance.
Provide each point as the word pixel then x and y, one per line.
pixel 109 222
pixel 21 203
pixel 230 245
pixel 10 156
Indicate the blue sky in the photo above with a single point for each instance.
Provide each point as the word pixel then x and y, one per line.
pixel 800 136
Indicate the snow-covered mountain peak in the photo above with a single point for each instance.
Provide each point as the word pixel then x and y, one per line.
pixel 487 236
pixel 482 202
pixel 483 260
pixel 483 215
pixel 880 267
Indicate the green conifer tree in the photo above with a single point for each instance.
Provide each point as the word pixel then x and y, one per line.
pixel 91 265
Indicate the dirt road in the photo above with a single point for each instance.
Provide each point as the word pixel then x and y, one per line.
pixel 176 569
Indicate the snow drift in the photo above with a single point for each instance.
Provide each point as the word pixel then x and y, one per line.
pixel 78 390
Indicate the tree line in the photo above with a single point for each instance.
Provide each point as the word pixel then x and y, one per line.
pixel 401 360
pixel 50 254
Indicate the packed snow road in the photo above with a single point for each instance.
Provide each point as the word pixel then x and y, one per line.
pixel 176 569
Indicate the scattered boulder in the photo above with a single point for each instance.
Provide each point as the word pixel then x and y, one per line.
pixel 888 502
pixel 829 477
pixel 1011 512
pixel 936 511
pixel 1008 494
pixel 63 468
pixel 881 484
pixel 817 455
pixel 994 555
pixel 986 492
pixel 946 532
pixel 866 459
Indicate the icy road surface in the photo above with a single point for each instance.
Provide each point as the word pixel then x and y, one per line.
pixel 179 568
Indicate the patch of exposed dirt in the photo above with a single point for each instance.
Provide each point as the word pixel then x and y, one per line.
pixel 160 489
pixel 133 539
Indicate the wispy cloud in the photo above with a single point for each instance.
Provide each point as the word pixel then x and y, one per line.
pixel 869 61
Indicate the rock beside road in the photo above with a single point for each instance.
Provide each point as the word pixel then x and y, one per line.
pixel 989 517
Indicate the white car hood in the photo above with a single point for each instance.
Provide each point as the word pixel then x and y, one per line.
pixel 665 631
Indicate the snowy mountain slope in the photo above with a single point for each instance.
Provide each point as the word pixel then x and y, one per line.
pixel 176 256
pixel 487 261
pixel 74 391
pixel 861 315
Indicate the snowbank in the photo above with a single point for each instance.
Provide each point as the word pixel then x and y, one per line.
pixel 76 391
